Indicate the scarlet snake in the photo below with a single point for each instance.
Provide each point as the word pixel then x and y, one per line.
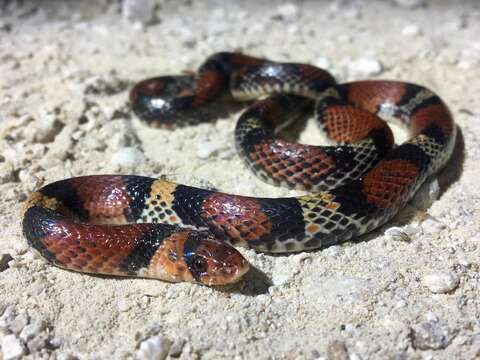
pixel 180 233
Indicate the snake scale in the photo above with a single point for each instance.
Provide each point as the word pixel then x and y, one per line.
pixel 139 226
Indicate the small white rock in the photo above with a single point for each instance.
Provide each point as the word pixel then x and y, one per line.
pixel 12 347
pixel 287 12
pixel 7 317
pixel 344 38
pixel 352 13
pixel 282 273
pixel 300 258
pixel 431 317
pixel 333 251
pixel 411 30
pixel 219 13
pixel 128 156
pixel 396 233
pixel 292 29
pixel 123 305
pixel 441 282
pixel 142 11
pixel 458 23
pixel 30 181
pixel 154 348
pixel 206 149
pixel 56 342
pixel 32 330
pixel 323 63
pixel 18 323
pixel 432 226
pixel 257 28
pixel 432 335
pixel 364 67
pixel 263 299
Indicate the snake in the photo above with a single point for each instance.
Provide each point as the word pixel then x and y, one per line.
pixel 130 225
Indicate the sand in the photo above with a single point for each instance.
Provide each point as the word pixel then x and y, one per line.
pixel 406 291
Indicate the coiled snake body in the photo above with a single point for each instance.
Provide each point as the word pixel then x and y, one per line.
pixel 140 226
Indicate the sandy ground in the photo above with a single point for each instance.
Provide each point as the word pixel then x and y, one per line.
pixel 409 293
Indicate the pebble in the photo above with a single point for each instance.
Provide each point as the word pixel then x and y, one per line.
pixel 287 12
pixel 300 258
pixel 333 251
pixel 177 348
pixel 4 260
pixel 7 172
pixel 123 305
pixel 323 63
pixel 56 342
pixel 396 233
pixel 37 343
pixel 352 13
pixel 7 317
pixel 154 348
pixel 428 193
pixel 63 143
pixel 32 330
pixel 46 127
pixel 431 317
pixel 141 11
pixel 18 323
pixel 432 336
pixel 432 225
pixel 364 67
pixel 337 350
pixel 441 282
pixel 282 272
pixel 128 157
pixel 12 347
pixel 458 23
pixel 206 149
pixel 345 38
pixel 411 30
pixel 30 181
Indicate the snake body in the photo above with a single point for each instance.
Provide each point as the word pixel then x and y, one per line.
pixel 177 232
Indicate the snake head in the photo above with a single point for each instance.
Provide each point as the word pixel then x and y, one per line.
pixel 212 262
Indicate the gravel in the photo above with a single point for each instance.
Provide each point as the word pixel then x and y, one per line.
pixel 154 348
pixel 364 66
pixel 432 336
pixel 411 30
pixel 142 11
pixel 407 291
pixel 128 157
pixel 12 347
pixel 4 260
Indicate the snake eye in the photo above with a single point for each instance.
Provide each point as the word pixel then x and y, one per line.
pixel 199 265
